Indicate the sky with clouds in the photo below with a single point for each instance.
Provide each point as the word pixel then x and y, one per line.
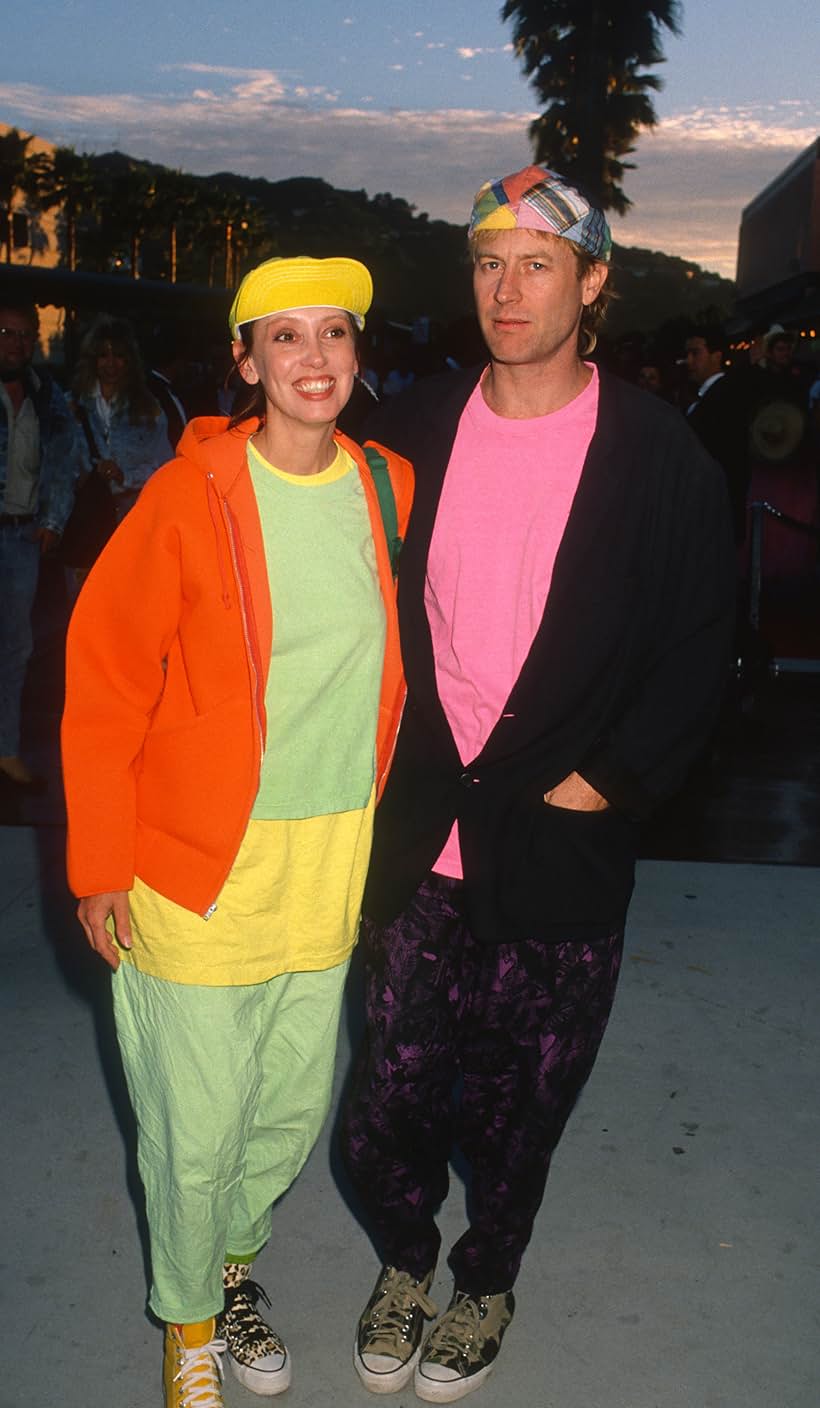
pixel 422 98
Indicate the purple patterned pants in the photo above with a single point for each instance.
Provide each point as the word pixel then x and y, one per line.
pixel 484 1047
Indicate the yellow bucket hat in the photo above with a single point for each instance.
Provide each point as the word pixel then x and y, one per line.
pixel 282 285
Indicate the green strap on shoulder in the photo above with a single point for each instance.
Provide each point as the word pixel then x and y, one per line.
pixel 378 467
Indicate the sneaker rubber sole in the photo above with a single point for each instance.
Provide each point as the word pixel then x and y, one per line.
pixel 387 1380
pixel 448 1390
pixel 266 1383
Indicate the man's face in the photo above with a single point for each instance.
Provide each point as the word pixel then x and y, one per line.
pixel 649 378
pixel 780 352
pixel 529 298
pixel 700 362
pixel 18 337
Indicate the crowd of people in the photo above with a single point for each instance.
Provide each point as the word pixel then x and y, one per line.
pixel 293 700
pixel 756 401
pixel 74 456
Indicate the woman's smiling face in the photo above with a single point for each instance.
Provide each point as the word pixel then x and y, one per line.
pixel 305 362
pixel 112 366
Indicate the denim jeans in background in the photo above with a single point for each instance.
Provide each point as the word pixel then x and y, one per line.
pixel 19 570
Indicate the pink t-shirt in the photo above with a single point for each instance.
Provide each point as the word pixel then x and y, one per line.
pixel 504 507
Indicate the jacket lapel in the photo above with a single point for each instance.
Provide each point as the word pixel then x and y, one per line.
pixel 429 444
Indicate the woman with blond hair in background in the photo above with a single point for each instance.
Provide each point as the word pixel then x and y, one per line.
pixel 125 432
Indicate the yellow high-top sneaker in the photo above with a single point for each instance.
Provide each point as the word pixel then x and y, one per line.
pixel 192 1371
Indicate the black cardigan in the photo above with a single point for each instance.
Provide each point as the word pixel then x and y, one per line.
pixel 622 682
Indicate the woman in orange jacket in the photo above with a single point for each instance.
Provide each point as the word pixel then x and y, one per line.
pixel 233 693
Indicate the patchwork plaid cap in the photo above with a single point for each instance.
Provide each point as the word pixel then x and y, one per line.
pixel 283 285
pixel 536 198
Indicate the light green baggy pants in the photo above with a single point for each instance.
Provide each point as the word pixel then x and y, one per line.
pixel 230 1088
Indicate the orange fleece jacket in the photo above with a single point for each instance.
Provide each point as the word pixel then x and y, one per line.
pixel 167 660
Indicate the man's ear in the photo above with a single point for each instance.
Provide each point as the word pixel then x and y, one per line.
pixel 593 281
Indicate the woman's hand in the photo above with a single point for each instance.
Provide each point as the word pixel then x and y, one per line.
pixel 110 471
pixel 93 911
pixel 576 795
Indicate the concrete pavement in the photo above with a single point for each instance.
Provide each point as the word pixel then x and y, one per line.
pixel 674 1264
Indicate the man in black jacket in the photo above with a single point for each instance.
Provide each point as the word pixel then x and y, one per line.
pixel 566 604
pixel 721 413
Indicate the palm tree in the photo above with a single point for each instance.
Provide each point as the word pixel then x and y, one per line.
pixel 208 227
pixel 587 62
pixel 65 178
pixel 15 173
pixel 246 230
pixel 228 224
pixel 126 191
pixel 173 199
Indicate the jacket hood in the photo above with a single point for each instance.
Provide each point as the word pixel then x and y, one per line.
pixel 207 442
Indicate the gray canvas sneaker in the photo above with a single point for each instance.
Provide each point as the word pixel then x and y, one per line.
pixel 460 1351
pixel 390 1330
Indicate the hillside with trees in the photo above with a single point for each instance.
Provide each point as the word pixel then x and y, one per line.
pixel 118 215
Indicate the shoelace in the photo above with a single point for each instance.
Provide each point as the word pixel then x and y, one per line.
pixel 461 1322
pixel 200 1375
pixel 391 1311
pixel 246 1325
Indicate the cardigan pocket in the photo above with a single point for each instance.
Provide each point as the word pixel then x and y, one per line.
pixel 569 870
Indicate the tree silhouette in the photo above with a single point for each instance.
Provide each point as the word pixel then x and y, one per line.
pixel 173 199
pixel 126 192
pixel 65 179
pixel 587 63
pixel 15 176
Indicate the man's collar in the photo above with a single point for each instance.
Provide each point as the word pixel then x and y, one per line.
pixel 710 381
pixel 27 378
